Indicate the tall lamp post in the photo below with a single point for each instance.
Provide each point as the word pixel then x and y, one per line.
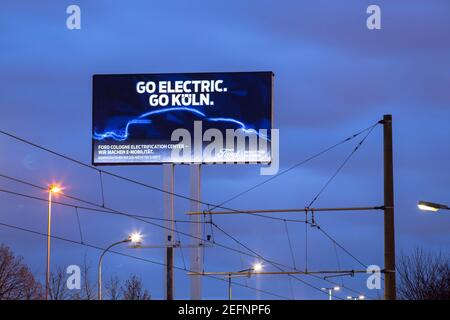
pixel 246 272
pixel 51 190
pixel 431 206
pixel 135 238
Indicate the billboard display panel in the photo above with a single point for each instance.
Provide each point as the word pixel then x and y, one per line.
pixel 221 117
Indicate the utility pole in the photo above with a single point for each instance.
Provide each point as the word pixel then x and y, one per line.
pixel 389 235
pixel 388 208
pixel 229 287
pixel 169 234
pixel 197 244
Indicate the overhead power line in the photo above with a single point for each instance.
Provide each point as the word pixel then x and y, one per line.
pixel 94 208
pixel 108 211
pixel 311 274
pixel 209 205
pixel 274 265
pixel 174 194
pixel 335 242
pixel 293 167
pixel 132 257
pixel 138 218
pixel 104 210
pixel 340 167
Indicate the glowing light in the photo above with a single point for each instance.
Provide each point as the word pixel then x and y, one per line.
pixel 429 206
pixel 120 135
pixel 135 237
pixel 54 188
pixel 228 120
pixel 123 134
pixel 337 288
pixel 173 109
pixel 360 297
pixel 243 126
pixel 257 267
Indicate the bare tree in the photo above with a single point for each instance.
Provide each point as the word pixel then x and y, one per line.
pixel 88 289
pixel 133 290
pixel 90 293
pixel 16 280
pixel 57 285
pixel 113 289
pixel 424 276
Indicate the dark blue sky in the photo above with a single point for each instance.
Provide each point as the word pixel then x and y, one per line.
pixel 333 77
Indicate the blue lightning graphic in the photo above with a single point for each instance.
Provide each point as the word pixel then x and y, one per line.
pixel 172 109
pixel 243 126
pixel 122 135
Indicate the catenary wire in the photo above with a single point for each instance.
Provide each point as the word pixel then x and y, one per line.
pixel 340 168
pixel 173 193
pixel 274 265
pixel 138 218
pixel 132 257
pixel 109 211
pixel 294 166
pixel 115 175
pixel 104 210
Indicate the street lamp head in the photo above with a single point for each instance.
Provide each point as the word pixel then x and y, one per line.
pixel 430 206
pixel 135 238
pixel 257 267
pixel 361 297
pixel 54 188
pixel 337 288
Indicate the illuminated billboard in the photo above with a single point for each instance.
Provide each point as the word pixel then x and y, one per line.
pixel 180 118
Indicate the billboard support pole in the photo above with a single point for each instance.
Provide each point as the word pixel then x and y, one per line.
pixel 389 235
pixel 169 170
pixel 196 257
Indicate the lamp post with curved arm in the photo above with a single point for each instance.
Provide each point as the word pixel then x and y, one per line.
pixel 134 238
pixel 243 273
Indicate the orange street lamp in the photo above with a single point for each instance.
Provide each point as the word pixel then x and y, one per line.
pixel 52 189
